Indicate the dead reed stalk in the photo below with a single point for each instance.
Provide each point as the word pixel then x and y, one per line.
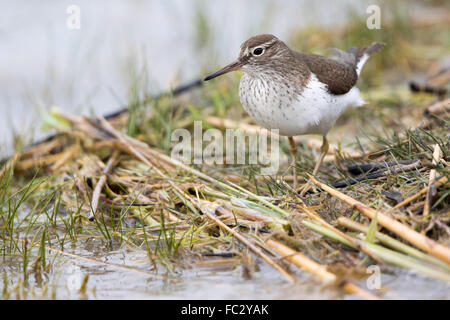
pixel 320 271
pixel 414 237
pixel 437 154
pixel 101 182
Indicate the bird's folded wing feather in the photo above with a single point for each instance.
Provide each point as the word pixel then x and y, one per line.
pixel 338 72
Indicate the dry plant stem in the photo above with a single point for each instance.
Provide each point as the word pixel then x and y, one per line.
pixel 440 79
pixel 438 107
pixel 320 271
pixel 403 168
pixel 71 152
pixel 250 245
pixel 315 217
pixel 303 261
pixel 43 148
pixel 431 187
pixel 224 263
pixel 393 243
pixel 250 214
pixel 442 225
pixel 42 161
pixel 407 262
pixel 101 182
pixel 391 224
pixel 390 256
pixel 439 181
pixel 237 178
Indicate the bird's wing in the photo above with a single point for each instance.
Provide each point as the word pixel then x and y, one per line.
pixel 339 75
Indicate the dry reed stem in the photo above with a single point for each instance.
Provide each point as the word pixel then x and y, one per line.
pixel 219 263
pixel 320 271
pixel 218 209
pixel 43 148
pixel 237 178
pixel 421 241
pixel 440 79
pixel 248 213
pixel 70 153
pixel 42 161
pixel 101 182
pixel 392 243
pixel 438 107
pixel 403 168
pixel 439 181
pixel 314 216
pixel 250 245
pixel 431 191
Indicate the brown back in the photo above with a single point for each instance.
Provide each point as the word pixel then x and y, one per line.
pixel 339 76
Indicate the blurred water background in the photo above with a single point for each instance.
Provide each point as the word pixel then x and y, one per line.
pixel 44 63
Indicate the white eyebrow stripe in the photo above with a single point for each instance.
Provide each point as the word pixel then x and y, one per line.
pixel 267 44
pixel 263 45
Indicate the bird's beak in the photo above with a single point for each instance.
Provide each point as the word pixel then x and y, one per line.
pixel 231 67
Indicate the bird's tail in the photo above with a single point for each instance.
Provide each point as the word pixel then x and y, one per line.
pixel 356 57
pixel 361 55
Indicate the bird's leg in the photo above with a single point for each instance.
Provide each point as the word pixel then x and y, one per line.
pixel 294 150
pixel 323 153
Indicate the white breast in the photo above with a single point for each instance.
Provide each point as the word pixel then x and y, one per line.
pixel 275 105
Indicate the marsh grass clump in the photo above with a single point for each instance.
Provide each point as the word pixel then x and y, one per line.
pixel 108 185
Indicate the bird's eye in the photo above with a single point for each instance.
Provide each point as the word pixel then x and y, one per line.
pixel 258 51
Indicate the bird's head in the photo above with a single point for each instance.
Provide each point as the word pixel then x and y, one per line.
pixel 258 54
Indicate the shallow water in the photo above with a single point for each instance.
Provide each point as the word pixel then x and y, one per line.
pixel 199 282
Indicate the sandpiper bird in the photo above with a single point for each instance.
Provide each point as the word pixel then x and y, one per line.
pixel 297 93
